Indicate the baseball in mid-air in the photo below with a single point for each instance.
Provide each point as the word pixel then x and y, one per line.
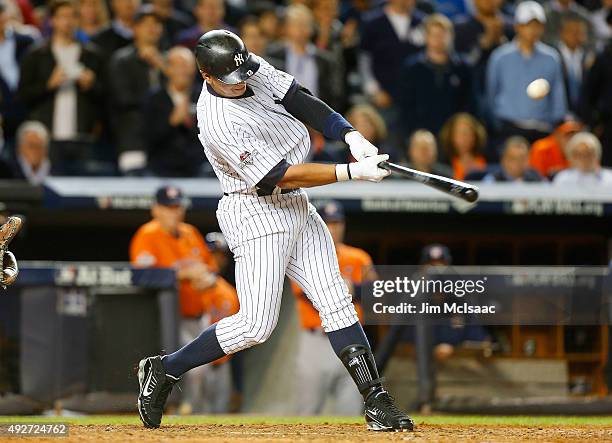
pixel 538 89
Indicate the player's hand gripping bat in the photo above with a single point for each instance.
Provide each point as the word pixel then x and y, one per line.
pixel 449 186
pixel 8 263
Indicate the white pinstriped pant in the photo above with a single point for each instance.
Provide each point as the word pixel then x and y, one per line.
pixel 271 237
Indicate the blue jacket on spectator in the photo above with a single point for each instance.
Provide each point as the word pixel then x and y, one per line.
pixel 497 173
pixel 386 50
pixel 11 110
pixel 429 94
pixel 172 151
pixel 468 32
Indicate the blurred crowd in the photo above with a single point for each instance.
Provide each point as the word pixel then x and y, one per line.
pixel 109 87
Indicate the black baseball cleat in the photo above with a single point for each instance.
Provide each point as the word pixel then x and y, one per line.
pixel 155 386
pixel 381 414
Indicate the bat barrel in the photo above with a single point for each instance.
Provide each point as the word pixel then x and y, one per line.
pixel 470 194
pixel 456 188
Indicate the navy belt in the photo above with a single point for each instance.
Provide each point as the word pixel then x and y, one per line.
pixel 265 192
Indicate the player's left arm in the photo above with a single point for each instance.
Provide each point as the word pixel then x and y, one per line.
pixel 312 111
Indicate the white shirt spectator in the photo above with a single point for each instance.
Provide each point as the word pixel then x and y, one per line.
pixel 573 176
pixel 400 23
pixel 304 68
pixel 65 107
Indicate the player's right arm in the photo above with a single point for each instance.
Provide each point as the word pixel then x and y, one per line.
pixel 307 175
pixel 265 168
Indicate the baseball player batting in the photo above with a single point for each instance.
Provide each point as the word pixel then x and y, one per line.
pixel 252 124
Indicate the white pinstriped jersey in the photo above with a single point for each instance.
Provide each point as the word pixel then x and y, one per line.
pixel 274 235
pixel 244 138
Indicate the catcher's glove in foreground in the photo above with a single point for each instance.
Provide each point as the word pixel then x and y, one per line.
pixel 8 263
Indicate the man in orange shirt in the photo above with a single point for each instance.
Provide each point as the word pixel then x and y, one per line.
pixel 168 242
pixel 547 155
pixel 324 385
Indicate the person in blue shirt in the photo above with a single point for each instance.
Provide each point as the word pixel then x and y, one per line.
pixel 512 67
pixel 477 35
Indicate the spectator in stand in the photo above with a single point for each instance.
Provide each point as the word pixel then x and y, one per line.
pixel 120 32
pixel 60 86
pixel 434 84
pixel 252 36
pixel 422 154
pixel 209 15
pixel 171 134
pixel 556 11
pixel 366 119
pixel 514 164
pixel 602 24
pixel 464 139
pixel 93 17
pixel 312 67
pixel 477 35
pixel 597 101
pixel 388 36
pixel 32 153
pixel 23 16
pixel 133 72
pixel 173 21
pixel 329 30
pixel 547 155
pixel 341 39
pixel 452 8
pixel 584 155
pixel 269 23
pixel 513 66
pixel 576 58
pixel 13 46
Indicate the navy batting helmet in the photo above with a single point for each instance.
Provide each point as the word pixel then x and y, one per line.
pixel 222 54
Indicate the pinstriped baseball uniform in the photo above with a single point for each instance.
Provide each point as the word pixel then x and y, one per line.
pixel 270 236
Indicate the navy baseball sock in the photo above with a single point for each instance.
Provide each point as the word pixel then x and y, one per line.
pixel 351 345
pixel 353 335
pixel 203 349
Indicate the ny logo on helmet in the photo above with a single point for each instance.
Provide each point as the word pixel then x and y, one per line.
pixel 238 59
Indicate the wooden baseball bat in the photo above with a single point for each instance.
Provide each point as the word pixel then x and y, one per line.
pixel 456 188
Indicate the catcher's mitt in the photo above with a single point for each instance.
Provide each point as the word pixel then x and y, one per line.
pixel 8 263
